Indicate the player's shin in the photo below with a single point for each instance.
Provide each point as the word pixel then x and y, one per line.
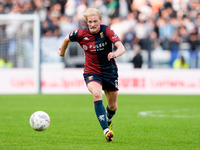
pixel 101 114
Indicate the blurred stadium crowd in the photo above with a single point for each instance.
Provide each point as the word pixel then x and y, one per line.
pixel 171 25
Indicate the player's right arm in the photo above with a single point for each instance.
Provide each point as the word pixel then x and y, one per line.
pixel 65 44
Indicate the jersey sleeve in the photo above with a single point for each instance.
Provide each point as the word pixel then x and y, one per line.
pixel 73 36
pixel 112 35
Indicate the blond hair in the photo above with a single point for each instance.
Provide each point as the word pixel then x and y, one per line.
pixel 92 11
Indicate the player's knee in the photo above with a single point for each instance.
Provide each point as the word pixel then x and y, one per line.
pixel 97 95
pixel 113 107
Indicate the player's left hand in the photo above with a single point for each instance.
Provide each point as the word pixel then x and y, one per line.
pixel 111 55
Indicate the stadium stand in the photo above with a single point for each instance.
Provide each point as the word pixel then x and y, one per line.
pixel 163 28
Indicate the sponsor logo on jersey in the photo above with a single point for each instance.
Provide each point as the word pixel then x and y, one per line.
pixel 97 47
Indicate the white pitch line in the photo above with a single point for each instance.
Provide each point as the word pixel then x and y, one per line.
pixel 163 113
pixel 6 117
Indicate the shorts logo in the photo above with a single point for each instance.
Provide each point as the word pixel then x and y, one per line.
pixel 116 83
pixel 90 78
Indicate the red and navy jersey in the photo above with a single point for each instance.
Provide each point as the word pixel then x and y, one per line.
pixel 96 48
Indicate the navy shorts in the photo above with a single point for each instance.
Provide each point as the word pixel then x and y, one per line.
pixel 109 84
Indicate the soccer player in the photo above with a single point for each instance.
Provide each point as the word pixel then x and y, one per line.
pixel 100 72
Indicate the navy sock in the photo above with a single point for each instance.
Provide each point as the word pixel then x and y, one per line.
pixel 110 113
pixel 101 113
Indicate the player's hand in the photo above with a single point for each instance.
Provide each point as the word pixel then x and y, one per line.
pixel 111 55
pixel 60 52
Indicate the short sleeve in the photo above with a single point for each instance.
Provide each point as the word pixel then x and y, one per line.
pixel 112 35
pixel 73 36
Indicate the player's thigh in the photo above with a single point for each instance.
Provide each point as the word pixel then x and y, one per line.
pixel 111 99
pixel 96 89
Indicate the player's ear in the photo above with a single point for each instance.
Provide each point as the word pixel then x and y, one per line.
pixel 101 20
pixel 87 22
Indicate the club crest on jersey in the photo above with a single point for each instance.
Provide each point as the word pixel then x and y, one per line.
pixel 101 34
pixel 90 78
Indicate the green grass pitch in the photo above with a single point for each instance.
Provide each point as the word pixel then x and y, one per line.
pixel 142 122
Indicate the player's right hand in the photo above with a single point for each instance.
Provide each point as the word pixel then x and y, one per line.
pixel 60 52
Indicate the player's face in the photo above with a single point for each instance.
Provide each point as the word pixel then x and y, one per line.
pixel 94 23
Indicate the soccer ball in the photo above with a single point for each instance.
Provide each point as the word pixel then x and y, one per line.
pixel 39 120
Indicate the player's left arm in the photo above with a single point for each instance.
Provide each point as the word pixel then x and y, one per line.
pixel 120 51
